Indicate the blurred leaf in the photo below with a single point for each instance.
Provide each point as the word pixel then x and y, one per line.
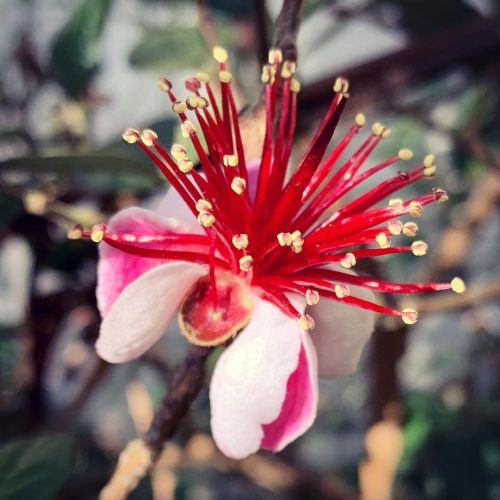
pixel 75 52
pixel 35 468
pixel 174 48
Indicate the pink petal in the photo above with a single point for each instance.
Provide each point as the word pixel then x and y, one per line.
pixel 341 332
pixel 142 312
pixel 117 269
pixel 250 385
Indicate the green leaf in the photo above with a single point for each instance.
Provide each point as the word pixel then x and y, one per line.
pixel 75 53
pixel 35 468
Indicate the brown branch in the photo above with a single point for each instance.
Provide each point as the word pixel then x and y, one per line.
pixel 287 27
pixel 207 28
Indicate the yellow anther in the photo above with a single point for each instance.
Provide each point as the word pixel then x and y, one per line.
pixel 386 133
pixel 296 235
pixel 415 209
pixel 192 102
pixel 238 185
pixel 410 229
pixel 149 137
pixel 246 263
pixel 201 102
pixel 206 219
pixel 458 285
pixel 131 135
pixel 266 74
pixel 164 85
pixel 284 239
pixel 360 119
pixel 179 107
pixel 75 233
pixel 185 165
pixel 342 291
pixel 441 195
pixel 297 245
pixel 240 241
pixel 312 297
pixel 97 233
pixel 178 152
pixel 288 69
pixel 382 240
pixel 341 86
pixel 377 128
pixel 306 322
pixel 275 56
pixel 405 154
pixel 187 129
pixel 429 160
pixel 230 160
pixel 295 85
pixel 419 248
pixel 395 202
pixel 409 316
pixel 225 77
pixel 430 171
pixel 395 227
pixel 203 77
pixel 348 260
pixel 220 54
pixel 204 206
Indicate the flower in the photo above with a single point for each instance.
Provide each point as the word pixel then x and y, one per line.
pixel 255 261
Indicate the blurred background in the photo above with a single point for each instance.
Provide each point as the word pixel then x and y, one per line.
pixel 74 75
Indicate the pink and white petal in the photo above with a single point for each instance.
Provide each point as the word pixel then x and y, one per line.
pixel 142 312
pixel 298 411
pixel 250 383
pixel 172 205
pixel 116 269
pixel 341 333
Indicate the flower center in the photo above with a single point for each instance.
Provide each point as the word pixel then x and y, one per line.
pixel 213 312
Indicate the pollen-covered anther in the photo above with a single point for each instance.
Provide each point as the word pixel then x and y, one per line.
pixel 97 232
pixel 415 209
pixel 348 260
pixel 187 129
pixel 206 219
pixel 246 263
pixel 295 85
pixel 230 160
pixel 238 185
pixel 377 129
pixel 288 69
pixel 131 135
pixel 306 322
pixel 284 239
pixel 360 119
pixel 341 290
pixel 409 316
pixel 149 137
pixel 297 246
pixel 382 240
pixel 386 133
pixel 429 160
pixel 419 248
pixel 240 241
pixel 178 152
pixel 179 107
pixel 220 54
pixel 275 56
pixel 75 233
pixel 192 102
pixel 312 297
pixel 341 85
pixel 405 154
pixel 430 171
pixel 395 227
pixel 202 77
pixel 410 229
pixel 185 165
pixel 201 102
pixel 203 206
pixel 164 85
pixel 441 195
pixel 225 76
pixel 458 285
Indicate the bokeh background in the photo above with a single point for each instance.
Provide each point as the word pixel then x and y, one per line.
pixel 76 73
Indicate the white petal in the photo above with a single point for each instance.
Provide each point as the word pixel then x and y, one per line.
pixel 249 383
pixel 142 312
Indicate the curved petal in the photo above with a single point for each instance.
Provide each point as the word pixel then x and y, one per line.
pixel 142 312
pixel 172 205
pixel 116 269
pixel 341 332
pixel 253 381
